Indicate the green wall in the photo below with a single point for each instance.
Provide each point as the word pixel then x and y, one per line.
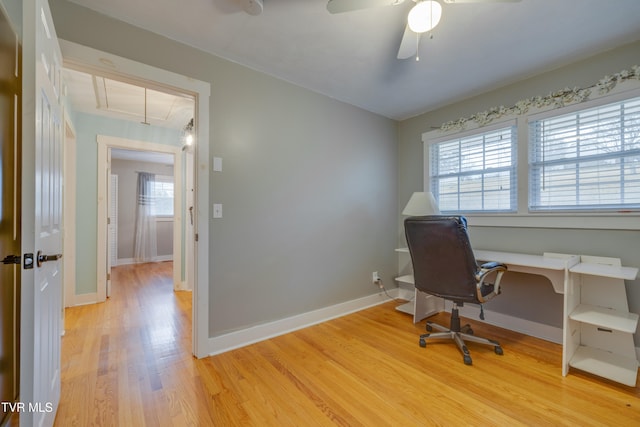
pixel 87 128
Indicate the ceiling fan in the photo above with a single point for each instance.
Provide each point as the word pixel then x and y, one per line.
pixel 422 17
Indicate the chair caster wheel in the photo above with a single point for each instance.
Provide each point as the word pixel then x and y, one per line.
pixel 423 342
pixel 467 360
pixel 498 350
pixel 429 328
pixel 467 330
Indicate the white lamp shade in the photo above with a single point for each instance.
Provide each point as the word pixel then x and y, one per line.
pixel 424 16
pixel 421 204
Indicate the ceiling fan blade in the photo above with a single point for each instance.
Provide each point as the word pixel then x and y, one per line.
pixel 340 6
pixel 409 44
pixel 482 1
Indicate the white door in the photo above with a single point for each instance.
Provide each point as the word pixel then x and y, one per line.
pixel 42 229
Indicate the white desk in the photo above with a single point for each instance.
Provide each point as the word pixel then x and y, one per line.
pixel 597 326
pixel 553 266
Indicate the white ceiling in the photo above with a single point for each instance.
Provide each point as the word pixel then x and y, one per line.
pixel 102 96
pixel 352 56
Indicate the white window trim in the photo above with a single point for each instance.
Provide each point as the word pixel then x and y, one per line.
pixel 503 124
pixel 622 220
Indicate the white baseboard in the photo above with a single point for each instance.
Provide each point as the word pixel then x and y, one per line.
pixel 253 334
pixel 241 338
pixel 83 299
pixel 128 261
pixel 527 327
pixel 182 286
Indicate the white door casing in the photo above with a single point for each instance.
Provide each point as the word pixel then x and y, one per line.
pixel 42 144
pixel 189 249
pixel 84 58
pixel 69 209
pixel 112 226
pixel 105 143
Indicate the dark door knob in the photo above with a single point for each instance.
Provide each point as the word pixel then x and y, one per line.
pixel 44 258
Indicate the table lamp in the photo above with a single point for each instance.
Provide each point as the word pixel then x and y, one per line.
pixel 420 204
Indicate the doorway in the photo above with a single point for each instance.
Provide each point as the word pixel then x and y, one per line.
pixel 144 228
pixel 80 57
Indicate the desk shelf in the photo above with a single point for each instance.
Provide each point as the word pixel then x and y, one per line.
pixel 407 307
pixel 598 330
pixel 407 278
pixel 605 364
pixel 613 271
pixel 422 305
pixel 606 318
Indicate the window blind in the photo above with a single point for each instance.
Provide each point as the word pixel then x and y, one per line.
pixel 586 160
pixel 475 173
pixel 162 191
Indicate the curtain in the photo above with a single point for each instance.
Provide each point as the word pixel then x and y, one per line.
pixel 145 245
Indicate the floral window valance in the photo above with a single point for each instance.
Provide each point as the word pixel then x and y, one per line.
pixel 555 99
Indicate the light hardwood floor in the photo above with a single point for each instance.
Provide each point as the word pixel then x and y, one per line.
pixel 127 362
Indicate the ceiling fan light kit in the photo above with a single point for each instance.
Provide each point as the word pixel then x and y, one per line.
pixel 424 16
pixel 252 7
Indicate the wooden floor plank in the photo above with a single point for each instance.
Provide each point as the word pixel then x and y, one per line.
pixel 127 362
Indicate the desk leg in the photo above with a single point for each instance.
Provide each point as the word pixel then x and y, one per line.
pixel 426 305
pixel 422 306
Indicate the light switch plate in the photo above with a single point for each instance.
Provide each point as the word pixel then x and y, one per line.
pixel 217 164
pixel 217 210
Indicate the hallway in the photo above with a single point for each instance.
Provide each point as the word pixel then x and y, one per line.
pixel 114 354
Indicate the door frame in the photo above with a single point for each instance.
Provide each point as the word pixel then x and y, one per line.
pixel 105 144
pixel 88 59
pixel 69 209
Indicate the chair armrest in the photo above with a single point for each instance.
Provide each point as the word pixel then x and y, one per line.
pixel 485 270
pixel 492 264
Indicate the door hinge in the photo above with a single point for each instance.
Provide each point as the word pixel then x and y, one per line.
pixel 108 276
pixel 108 221
pixel 196 237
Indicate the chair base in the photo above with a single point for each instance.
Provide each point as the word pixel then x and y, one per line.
pixel 458 335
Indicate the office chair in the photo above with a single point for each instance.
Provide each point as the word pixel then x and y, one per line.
pixel 444 266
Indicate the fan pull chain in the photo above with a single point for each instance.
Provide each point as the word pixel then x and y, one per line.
pixel 417 47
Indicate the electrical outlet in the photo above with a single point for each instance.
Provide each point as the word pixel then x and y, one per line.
pixel 375 278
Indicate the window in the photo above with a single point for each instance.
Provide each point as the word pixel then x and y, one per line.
pixel 586 160
pixel 162 191
pixel 475 173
